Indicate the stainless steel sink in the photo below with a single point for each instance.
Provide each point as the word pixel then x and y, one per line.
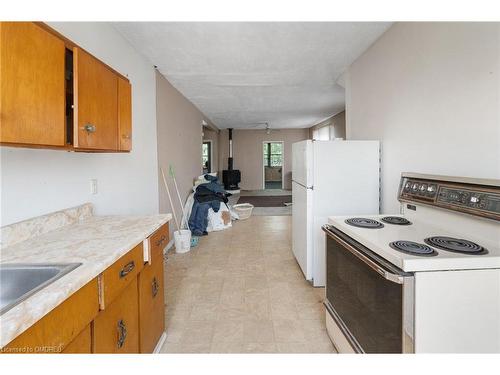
pixel 19 281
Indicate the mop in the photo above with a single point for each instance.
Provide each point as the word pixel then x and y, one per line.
pixel 170 199
pixel 171 172
pixel 180 235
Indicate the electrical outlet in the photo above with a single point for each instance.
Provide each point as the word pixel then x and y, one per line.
pixel 93 186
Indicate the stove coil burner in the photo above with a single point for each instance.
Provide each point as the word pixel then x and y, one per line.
pixel 413 248
pixel 456 245
pixel 396 220
pixel 362 222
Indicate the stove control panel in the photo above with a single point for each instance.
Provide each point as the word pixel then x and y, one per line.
pixel 421 189
pixel 480 200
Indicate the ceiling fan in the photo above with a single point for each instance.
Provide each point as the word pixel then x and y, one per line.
pixel 267 127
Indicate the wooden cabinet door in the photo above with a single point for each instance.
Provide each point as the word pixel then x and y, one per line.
pixel 116 329
pixel 81 344
pixel 32 85
pixel 151 306
pixel 124 114
pixel 95 103
pixel 61 326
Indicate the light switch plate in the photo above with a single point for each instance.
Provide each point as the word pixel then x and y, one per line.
pixel 93 186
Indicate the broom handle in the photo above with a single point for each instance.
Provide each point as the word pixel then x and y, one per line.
pixel 180 200
pixel 170 199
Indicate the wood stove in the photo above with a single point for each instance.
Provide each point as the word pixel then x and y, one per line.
pixel 231 177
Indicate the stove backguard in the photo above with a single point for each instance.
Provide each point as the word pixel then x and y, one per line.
pixel 479 197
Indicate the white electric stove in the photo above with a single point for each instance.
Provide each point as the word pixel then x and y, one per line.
pixel 424 280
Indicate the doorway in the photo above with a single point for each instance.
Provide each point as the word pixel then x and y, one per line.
pixel 272 170
pixel 206 157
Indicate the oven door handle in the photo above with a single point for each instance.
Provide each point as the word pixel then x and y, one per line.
pixel 390 276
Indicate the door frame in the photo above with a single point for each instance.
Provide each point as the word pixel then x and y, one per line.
pixel 282 164
pixel 211 156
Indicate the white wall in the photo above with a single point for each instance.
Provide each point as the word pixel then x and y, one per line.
pixel 430 93
pixel 336 124
pixel 248 153
pixel 179 143
pixel 35 182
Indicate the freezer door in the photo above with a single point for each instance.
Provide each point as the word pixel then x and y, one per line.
pixel 346 178
pixel 346 182
pixel 302 228
pixel 302 171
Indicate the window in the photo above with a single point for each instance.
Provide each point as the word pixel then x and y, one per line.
pixel 323 133
pixel 206 161
pixel 273 154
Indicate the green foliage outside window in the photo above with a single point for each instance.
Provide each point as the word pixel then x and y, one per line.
pixel 273 154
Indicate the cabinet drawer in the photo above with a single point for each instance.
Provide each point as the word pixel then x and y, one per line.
pixel 116 329
pixel 115 278
pixel 151 306
pixel 81 344
pixel 157 242
pixel 61 326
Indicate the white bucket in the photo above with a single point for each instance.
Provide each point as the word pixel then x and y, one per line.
pixel 182 239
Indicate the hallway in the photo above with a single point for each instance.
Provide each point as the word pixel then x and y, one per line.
pixel 241 291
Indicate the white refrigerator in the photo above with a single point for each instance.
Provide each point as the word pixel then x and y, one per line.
pixel 329 178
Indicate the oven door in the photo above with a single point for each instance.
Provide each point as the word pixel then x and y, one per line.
pixel 369 299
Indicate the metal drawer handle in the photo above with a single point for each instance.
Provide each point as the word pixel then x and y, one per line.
pixel 398 279
pixel 89 128
pixel 161 240
pixel 122 333
pixel 155 287
pixel 127 269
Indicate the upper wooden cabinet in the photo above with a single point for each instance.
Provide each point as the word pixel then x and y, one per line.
pixel 32 85
pixel 55 94
pixel 95 104
pixel 124 114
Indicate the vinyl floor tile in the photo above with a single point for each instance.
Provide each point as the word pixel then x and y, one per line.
pixel 241 291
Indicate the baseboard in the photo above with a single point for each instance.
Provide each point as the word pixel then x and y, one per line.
pixel 160 342
pixel 169 246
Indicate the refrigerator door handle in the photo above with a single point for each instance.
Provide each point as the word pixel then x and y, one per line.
pixel 307 187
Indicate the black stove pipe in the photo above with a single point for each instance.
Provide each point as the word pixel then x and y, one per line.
pixel 231 177
pixel 230 158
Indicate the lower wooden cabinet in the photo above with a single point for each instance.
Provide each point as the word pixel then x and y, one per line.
pixel 61 326
pixel 121 311
pixel 151 306
pixel 116 329
pixel 81 344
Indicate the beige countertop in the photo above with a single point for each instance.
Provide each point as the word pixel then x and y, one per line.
pixel 96 242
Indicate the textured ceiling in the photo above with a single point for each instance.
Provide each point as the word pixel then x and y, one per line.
pixel 240 74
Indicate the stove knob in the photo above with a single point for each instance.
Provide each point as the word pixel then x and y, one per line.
pixel 465 197
pixel 474 199
pixel 415 186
